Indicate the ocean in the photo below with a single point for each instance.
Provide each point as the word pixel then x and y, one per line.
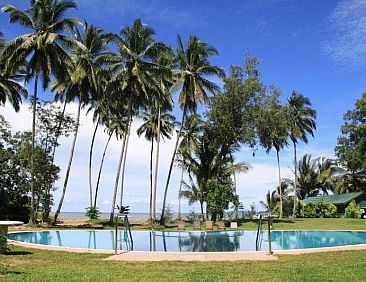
pixel 104 215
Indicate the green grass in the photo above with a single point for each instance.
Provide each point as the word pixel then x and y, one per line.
pixel 23 264
pixel 38 265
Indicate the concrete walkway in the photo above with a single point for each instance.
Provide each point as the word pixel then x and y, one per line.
pixel 201 256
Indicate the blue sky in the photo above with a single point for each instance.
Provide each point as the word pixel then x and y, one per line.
pixel 315 47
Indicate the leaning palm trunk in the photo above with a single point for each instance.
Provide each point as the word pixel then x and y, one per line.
pixel 279 183
pixel 90 165
pixel 124 161
pixel 100 171
pixel 295 183
pixel 32 216
pixel 69 164
pixel 117 180
pixel 151 178
pixel 156 166
pixel 162 219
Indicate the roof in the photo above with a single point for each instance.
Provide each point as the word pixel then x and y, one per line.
pixel 341 199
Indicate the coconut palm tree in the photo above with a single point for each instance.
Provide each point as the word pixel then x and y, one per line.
pixel 273 132
pixel 42 47
pixel 191 81
pixel 155 123
pixel 190 136
pixel 301 122
pixel 135 70
pixel 81 83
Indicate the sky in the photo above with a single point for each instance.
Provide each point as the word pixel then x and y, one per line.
pixel 317 48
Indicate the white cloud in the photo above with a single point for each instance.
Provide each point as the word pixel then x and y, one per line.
pixel 347 44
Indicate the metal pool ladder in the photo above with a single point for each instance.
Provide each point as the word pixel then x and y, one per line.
pixel 127 235
pixel 259 237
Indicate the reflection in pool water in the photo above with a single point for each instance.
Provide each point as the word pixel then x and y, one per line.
pixel 223 241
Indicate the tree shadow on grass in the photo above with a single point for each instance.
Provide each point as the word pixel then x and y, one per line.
pixel 18 253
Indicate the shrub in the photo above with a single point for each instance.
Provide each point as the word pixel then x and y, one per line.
pixel 310 211
pixel 2 241
pixel 92 213
pixel 324 209
pixel 353 210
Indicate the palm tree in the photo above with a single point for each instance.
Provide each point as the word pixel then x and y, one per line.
pixel 10 88
pixel 81 83
pixel 193 68
pixel 156 123
pixel 301 122
pixel 46 19
pixel 190 134
pixel 273 132
pixel 135 71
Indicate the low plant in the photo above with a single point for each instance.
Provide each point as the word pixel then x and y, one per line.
pixel 3 241
pixel 92 213
pixel 353 210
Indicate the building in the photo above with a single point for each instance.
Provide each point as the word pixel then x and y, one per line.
pixel 340 201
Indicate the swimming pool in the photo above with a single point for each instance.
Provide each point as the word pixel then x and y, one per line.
pixel 195 241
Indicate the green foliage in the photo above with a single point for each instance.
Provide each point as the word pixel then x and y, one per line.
pixel 320 209
pixel 218 197
pixel 15 153
pixel 310 211
pixel 351 147
pixel 353 210
pixel 92 213
pixel 169 214
pixel 3 240
pixel 325 209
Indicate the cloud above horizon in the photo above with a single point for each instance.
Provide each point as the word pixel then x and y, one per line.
pixel 347 42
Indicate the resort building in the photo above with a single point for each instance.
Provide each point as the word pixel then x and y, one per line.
pixel 340 201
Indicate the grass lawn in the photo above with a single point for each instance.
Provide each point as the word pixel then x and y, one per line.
pixel 38 265
pixel 22 264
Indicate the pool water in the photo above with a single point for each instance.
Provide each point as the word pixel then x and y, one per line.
pixel 223 241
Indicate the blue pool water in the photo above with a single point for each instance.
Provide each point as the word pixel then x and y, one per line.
pixel 224 241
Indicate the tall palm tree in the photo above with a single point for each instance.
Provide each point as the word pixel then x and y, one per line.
pixel 301 122
pixel 81 83
pixel 192 83
pixel 273 132
pixel 155 123
pixel 135 70
pixel 190 135
pixel 47 22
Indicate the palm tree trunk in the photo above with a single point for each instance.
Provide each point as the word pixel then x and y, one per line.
pixel 156 166
pixel 117 180
pixel 57 135
pixel 295 182
pixel 179 197
pixel 90 165
pixel 162 219
pixel 279 182
pixel 69 164
pixel 100 171
pixel 151 178
pixel 124 160
pixel 32 216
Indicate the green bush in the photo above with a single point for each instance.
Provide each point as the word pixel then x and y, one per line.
pixel 92 213
pixel 353 210
pixel 310 211
pixel 324 209
pixel 300 208
pixel 2 241
pixel 320 209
